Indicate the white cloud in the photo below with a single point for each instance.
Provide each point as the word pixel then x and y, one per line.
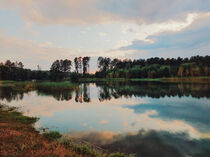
pixel 102 34
pixel 104 121
pixel 84 124
pixel 191 40
pixel 142 32
pixel 31 53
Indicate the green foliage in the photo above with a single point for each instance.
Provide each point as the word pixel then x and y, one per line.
pixel 65 85
pixel 52 135
pixel 108 68
pixel 118 154
pixel 154 67
pixel 13 115
pixel 45 85
pixel 74 77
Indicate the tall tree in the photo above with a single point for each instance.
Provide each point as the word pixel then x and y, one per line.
pixel 80 64
pixel 8 63
pixel 104 63
pixel 76 64
pixel 85 64
pixel 55 67
pixel 65 65
pixel 20 65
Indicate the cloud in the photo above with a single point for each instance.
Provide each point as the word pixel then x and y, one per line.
pixel 102 34
pixel 84 124
pixel 98 138
pixel 32 53
pixel 194 117
pixel 96 11
pixel 188 41
pixel 161 28
pixel 104 121
pixel 160 143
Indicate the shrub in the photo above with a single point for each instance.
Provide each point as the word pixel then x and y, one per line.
pixel 52 135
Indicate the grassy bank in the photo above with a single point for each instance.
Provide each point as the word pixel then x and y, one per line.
pixel 92 80
pixel 19 138
pixel 177 79
pixel 29 85
pixel 172 79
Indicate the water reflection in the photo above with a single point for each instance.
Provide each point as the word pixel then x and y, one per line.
pixel 194 111
pixel 10 95
pixel 118 90
pixel 83 94
pixel 174 117
pixel 153 89
pixel 148 143
pixel 58 95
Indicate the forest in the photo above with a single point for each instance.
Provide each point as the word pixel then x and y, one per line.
pixel 109 68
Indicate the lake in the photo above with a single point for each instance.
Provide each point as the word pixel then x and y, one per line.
pixel 145 118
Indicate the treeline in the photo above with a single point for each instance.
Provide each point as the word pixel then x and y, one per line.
pixel 154 67
pixel 60 70
pixel 15 71
pixel 110 68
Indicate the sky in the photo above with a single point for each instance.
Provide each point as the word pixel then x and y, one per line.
pixel 41 31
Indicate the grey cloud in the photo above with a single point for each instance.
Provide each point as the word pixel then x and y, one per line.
pixel 154 11
pixel 186 42
pixel 97 11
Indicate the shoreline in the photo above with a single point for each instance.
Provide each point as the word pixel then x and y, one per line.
pixel 18 137
pixel 204 79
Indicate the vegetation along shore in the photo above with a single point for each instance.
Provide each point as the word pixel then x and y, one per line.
pixel 18 137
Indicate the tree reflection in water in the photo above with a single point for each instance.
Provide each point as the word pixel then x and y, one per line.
pixel 115 90
pixel 152 89
pixel 83 94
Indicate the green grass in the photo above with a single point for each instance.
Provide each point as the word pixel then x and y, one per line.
pixel 28 85
pixel 201 79
pixel 147 79
pixel 84 80
pixel 14 115
pixel 52 135
pixel 56 85
pixel 118 154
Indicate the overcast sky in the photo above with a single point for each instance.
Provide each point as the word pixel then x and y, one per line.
pixel 41 31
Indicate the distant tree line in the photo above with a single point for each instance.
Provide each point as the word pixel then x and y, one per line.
pixel 15 71
pixel 110 68
pixel 153 67
pixel 59 70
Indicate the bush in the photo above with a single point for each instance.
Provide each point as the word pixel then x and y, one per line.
pixel 74 77
pixel 52 135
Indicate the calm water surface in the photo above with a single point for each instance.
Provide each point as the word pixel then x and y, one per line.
pixel 148 119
